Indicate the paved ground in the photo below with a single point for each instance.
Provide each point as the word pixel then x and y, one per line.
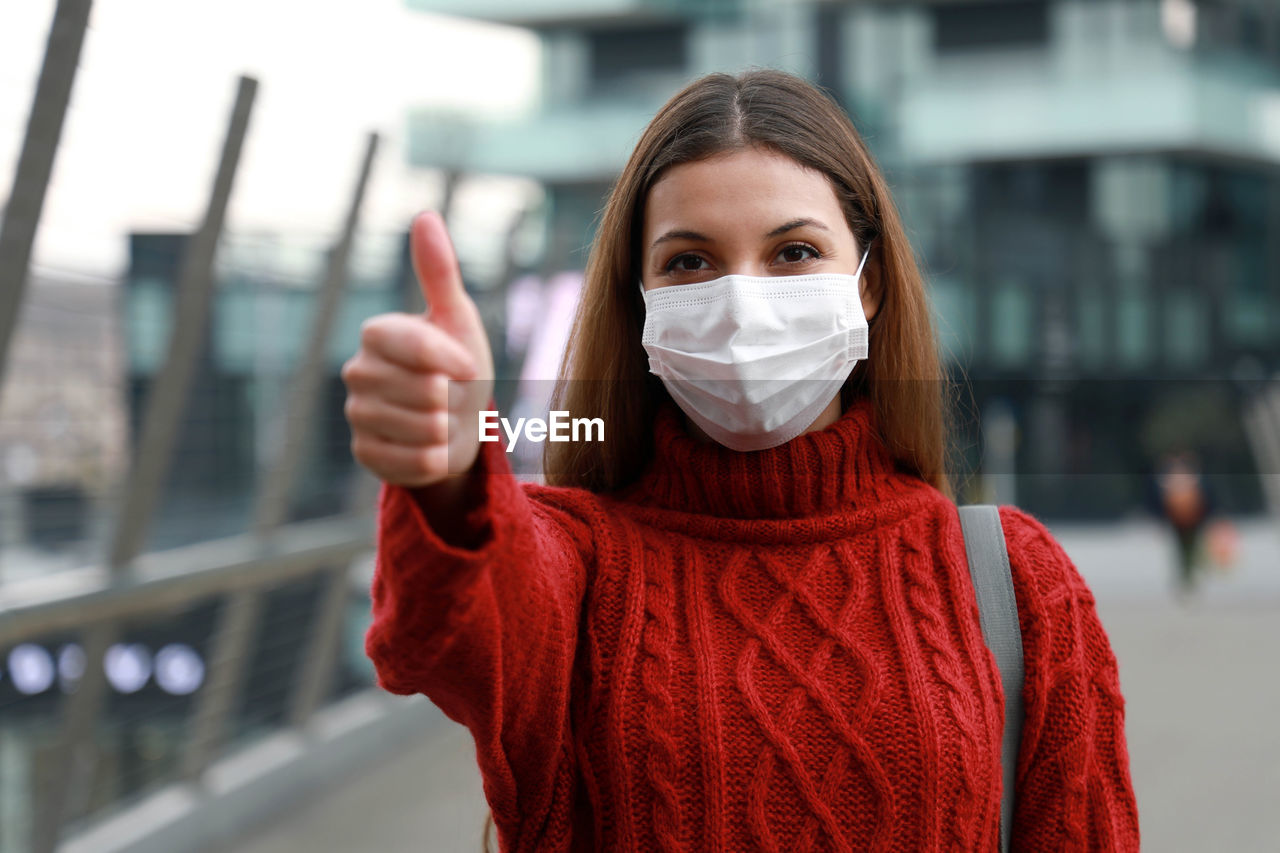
pixel 1200 680
pixel 1203 722
pixel 428 800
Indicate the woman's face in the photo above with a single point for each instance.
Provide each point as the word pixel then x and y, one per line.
pixel 749 212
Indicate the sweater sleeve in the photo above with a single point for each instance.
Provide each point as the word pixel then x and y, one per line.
pixel 1074 791
pixel 488 632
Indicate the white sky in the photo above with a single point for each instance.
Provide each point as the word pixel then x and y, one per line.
pixel 154 93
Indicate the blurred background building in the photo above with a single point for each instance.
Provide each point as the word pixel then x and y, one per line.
pixel 62 423
pixel 1091 188
pixel 264 302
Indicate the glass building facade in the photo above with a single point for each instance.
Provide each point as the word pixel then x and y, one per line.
pixel 1091 187
pixel 257 327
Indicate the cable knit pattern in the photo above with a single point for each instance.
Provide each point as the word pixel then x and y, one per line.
pixel 776 651
pixel 810 687
pixel 942 653
pixel 660 718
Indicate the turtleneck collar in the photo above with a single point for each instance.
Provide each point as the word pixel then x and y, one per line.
pixel 842 467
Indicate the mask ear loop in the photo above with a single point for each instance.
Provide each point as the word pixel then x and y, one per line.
pixel 863 262
pixel 858 276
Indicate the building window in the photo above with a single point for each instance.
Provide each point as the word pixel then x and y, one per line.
pixel 621 60
pixel 235 329
pixel 1253 26
pixel 1241 27
pixel 1133 342
pixel 1011 325
pixel 1248 308
pixel 1186 329
pixel 150 319
pixel 1091 336
pixel 972 26
pixel 953 317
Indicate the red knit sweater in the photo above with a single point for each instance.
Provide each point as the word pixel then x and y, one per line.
pixel 777 650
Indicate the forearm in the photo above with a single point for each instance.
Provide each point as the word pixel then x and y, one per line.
pixel 479 611
pixel 451 504
pixel 436 551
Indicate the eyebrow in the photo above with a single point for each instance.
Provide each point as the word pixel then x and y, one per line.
pixel 777 232
pixel 794 224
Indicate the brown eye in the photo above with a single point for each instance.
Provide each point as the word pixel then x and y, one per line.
pixel 685 263
pixel 798 253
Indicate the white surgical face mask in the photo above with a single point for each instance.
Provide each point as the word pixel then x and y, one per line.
pixel 754 360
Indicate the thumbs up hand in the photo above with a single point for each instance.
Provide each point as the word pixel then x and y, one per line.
pixel 410 424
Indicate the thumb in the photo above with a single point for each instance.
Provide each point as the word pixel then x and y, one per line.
pixel 435 264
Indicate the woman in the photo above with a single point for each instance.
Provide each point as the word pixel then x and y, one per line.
pixel 745 620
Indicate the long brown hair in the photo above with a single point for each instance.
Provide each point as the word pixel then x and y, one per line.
pixel 715 114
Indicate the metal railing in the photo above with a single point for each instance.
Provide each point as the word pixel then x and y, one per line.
pixel 237 574
pixel 1262 428
pixel 270 606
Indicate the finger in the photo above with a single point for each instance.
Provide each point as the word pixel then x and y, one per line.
pixel 416 344
pixel 395 463
pixel 393 424
pixel 408 389
pixel 436 264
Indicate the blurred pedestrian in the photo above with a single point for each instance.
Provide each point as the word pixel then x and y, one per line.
pixel 1184 500
pixel 745 621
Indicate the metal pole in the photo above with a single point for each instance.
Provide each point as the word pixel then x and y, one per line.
pixel 242 612
pixel 168 395
pixel 35 163
pixel 73 759
pixel 1255 428
pixel 322 650
pixel 1269 415
pixel 273 502
pixel 1262 427
pixel 238 621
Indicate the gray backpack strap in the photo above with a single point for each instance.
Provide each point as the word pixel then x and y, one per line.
pixel 998 610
